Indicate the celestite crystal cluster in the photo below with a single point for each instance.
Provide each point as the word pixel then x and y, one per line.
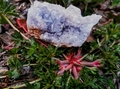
pixel 60 26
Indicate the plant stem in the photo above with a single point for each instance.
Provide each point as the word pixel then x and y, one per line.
pixel 83 57
pixel 29 65
pixel 15 27
pixel 112 43
pixel 68 81
pixel 1 77
pixel 23 85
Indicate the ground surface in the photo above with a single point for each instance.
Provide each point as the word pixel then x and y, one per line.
pixel 27 73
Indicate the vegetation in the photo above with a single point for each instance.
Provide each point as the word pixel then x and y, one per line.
pixel 42 60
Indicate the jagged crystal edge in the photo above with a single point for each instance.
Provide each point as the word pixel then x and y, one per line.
pixel 59 25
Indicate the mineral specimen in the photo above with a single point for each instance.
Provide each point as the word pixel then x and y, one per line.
pixel 58 25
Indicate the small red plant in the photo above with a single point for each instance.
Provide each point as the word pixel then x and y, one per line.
pixel 8 47
pixel 22 24
pixel 74 64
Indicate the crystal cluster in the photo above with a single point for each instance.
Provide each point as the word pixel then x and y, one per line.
pixel 60 26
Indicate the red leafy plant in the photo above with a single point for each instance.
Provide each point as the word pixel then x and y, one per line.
pixel 74 63
pixel 22 24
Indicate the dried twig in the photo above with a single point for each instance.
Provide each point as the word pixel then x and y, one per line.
pixel 23 85
pixel 31 2
pixel 15 27
pixel 3 53
pixel 1 77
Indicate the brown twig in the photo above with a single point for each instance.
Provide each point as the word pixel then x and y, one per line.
pixel 23 85
pixel 15 27
pixel 31 2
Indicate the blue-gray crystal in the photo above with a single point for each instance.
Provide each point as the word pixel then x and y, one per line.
pixel 60 26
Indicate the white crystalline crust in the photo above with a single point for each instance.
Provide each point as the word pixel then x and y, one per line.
pixel 61 26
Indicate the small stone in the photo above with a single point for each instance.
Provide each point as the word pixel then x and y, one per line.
pixel 58 25
pixel 118 74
